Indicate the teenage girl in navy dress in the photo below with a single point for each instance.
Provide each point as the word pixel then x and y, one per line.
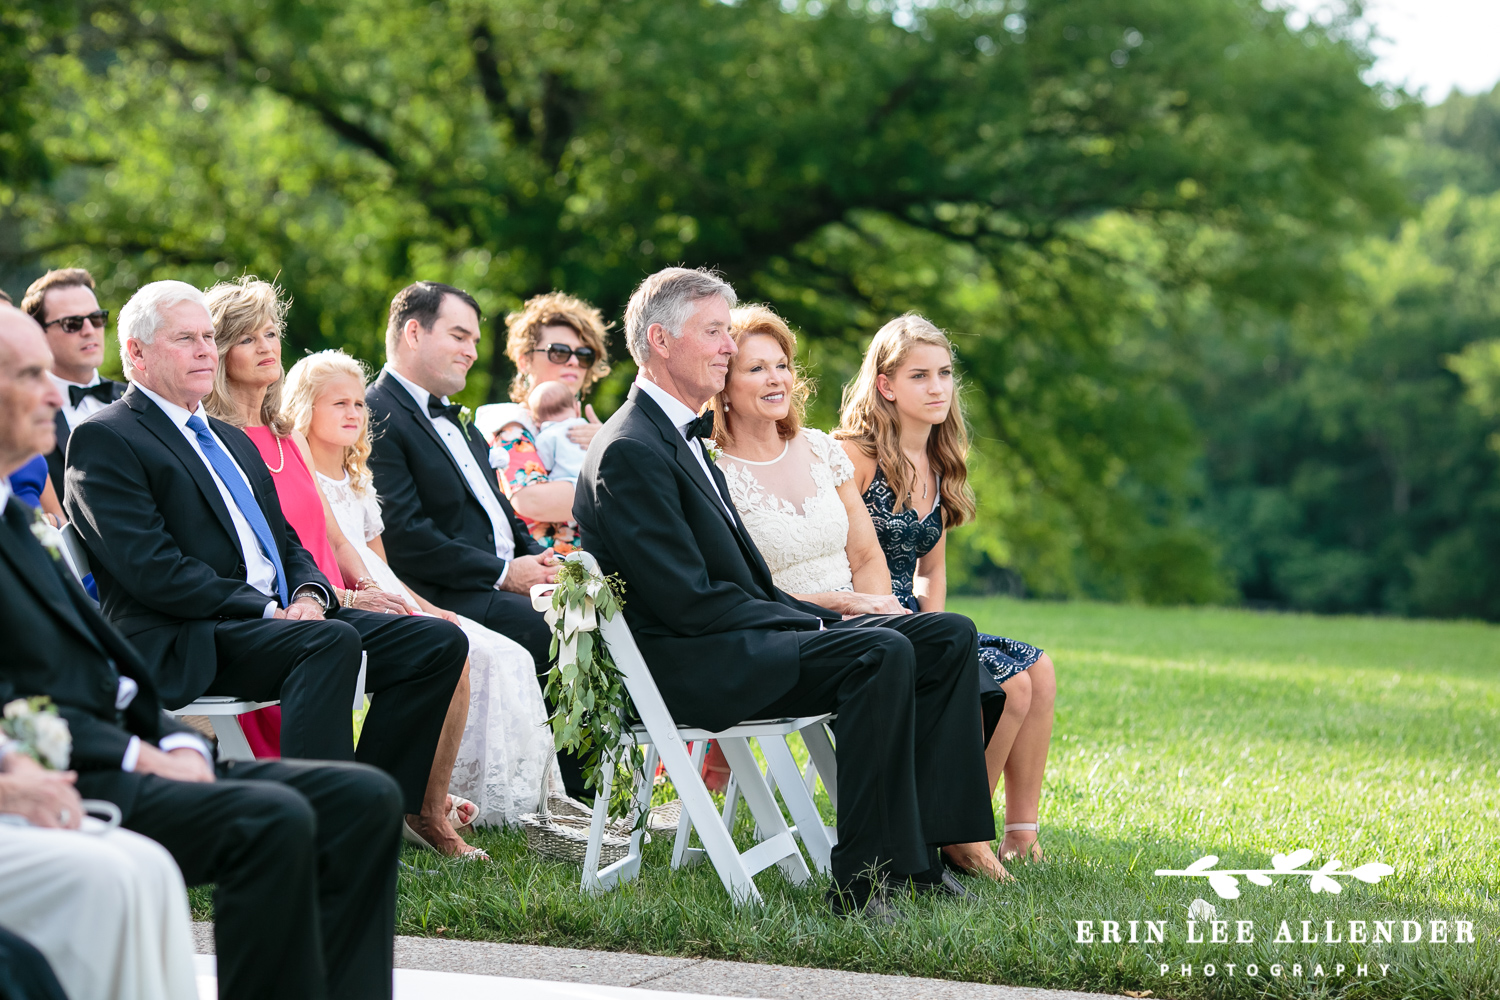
pixel 903 428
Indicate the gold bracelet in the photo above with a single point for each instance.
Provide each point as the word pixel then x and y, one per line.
pixel 348 600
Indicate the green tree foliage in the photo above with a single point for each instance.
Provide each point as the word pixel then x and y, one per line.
pixel 1051 180
pixel 1349 465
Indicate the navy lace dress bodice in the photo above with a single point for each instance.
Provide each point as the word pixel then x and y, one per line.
pixel 906 537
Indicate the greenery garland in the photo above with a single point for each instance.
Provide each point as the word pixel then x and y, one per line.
pixel 585 687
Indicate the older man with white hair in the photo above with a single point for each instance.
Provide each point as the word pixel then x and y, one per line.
pixel 725 644
pixel 106 907
pixel 196 565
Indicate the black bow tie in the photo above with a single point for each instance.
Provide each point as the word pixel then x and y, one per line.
pixel 102 391
pixel 450 410
pixel 701 426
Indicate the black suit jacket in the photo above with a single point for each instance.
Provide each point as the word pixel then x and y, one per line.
pixel 56 460
pixel 720 638
pixel 164 551
pixel 437 537
pixel 58 644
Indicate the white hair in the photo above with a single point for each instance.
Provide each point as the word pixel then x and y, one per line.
pixel 668 297
pixel 142 315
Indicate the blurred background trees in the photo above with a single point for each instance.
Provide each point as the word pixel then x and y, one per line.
pixel 1226 314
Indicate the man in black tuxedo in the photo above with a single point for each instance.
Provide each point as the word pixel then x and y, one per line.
pixel 196 565
pixel 450 532
pixel 63 302
pixel 302 855
pixel 725 645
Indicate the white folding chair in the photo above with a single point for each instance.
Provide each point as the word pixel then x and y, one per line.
pixel 666 742
pixel 798 787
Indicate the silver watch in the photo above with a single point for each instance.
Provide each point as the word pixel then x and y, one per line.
pixel 309 590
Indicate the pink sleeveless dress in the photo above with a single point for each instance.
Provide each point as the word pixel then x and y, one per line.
pixel 302 506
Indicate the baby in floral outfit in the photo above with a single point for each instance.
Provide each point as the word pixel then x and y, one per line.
pixel 555 410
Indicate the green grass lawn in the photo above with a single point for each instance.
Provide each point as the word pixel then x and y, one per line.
pixel 1179 733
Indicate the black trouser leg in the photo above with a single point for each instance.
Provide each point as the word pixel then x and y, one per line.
pixel 24 972
pixel 866 676
pixel 302 856
pixel 414 665
pixel 513 617
pixel 310 666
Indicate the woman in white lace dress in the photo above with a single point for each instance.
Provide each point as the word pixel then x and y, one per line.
pixel 794 488
pixel 506 747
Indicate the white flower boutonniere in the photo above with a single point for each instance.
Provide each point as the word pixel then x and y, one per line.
pixel 40 732
pixel 465 419
pixel 714 451
pixel 43 531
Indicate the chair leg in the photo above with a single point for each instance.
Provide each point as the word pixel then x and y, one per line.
pixel 696 802
pixel 820 752
pixel 788 777
pixel 232 742
pixel 762 804
pixel 697 752
pixel 591 873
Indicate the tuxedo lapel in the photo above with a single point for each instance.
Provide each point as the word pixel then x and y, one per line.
pixel 158 423
pixel 422 420
pixel 37 570
pixel 60 423
pixel 717 491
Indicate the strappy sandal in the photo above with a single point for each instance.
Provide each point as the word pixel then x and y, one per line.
pixel 413 837
pixel 461 814
pixel 1031 852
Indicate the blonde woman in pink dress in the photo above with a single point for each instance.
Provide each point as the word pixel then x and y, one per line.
pixel 248 317
pixel 506 747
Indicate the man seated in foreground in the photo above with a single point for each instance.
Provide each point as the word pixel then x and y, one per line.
pixel 196 565
pixel 725 645
pixel 302 855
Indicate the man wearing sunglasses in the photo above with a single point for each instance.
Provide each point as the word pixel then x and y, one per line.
pixel 63 302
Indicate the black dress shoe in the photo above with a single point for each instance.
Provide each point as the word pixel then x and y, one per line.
pixel 874 909
pixel 941 882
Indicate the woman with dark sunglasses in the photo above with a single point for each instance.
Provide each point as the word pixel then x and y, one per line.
pixel 553 338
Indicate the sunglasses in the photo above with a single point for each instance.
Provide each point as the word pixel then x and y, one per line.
pixel 72 324
pixel 559 354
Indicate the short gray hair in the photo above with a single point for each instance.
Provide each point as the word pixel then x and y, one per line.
pixel 142 315
pixel 667 297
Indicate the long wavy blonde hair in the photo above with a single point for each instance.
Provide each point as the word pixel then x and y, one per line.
pixel 306 382
pixel 237 308
pixel 870 421
pixel 746 322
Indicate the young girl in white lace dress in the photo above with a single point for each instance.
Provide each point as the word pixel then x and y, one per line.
pixel 506 746
pixel 794 488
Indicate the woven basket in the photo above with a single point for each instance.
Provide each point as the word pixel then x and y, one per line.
pixel 566 838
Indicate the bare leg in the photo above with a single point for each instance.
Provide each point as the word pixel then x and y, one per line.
pixel 979 859
pixel 432 824
pixel 1027 761
pixel 1017 706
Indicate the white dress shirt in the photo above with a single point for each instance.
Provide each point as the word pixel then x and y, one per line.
pixel 681 415
pixel 125 692
pixel 474 474
pixel 260 572
pixel 87 407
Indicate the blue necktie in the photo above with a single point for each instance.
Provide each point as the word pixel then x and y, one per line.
pixel 229 475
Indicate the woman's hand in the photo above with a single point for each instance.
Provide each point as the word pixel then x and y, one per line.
pixel 873 604
pixel 379 600
pixel 583 434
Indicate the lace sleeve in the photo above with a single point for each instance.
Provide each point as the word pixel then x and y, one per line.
pixel 374 523
pixel 829 451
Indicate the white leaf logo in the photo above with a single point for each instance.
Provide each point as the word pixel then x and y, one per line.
pixel 1324 879
pixel 1227 886
pixel 1202 909
pixel 1372 872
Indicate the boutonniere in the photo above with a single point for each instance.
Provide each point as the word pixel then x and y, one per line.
pixel 43 531
pixel 714 451
pixel 42 734
pixel 465 419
